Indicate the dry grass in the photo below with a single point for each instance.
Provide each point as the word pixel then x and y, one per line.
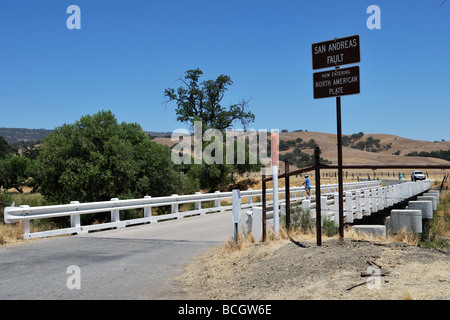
pixel 244 242
pixel 247 241
pixel 250 270
pixel 402 237
pixel 11 233
pixel 441 221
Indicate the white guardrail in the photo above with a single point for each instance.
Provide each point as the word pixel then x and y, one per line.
pixel 75 209
pixel 358 202
pixel 364 201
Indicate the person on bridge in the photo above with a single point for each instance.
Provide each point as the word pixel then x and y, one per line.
pixel 307 185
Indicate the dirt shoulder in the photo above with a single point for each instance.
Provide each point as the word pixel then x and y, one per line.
pixel 298 269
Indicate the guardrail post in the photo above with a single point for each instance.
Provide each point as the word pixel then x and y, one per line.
pixel 249 198
pixel 115 214
pixel 388 196
pixel 336 209
pixel 75 218
pixel 236 212
pixel 349 206
pixel 217 201
pixel 175 205
pixel 198 204
pixel 26 224
pixel 374 193
pixel 147 209
pixel 257 224
pixel 385 197
pixel 367 202
pixel 358 201
pixel 323 205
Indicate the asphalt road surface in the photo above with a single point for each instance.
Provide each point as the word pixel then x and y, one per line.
pixel 137 262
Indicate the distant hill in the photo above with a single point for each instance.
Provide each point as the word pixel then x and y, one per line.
pixel 14 135
pixel 384 148
pixel 392 149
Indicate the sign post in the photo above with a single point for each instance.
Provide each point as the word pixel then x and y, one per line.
pixel 340 176
pixel 318 197
pixel 337 83
pixel 236 213
pixel 276 217
pixel 1 198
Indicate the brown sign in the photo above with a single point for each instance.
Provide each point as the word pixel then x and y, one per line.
pixel 336 52
pixel 336 82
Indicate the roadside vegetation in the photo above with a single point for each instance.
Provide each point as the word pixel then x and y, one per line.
pixel 439 234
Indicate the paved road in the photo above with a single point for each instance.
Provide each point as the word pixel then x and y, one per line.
pixel 390 182
pixel 132 263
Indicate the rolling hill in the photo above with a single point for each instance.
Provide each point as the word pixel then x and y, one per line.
pixel 392 148
pixel 14 135
pixel 398 145
pixel 395 153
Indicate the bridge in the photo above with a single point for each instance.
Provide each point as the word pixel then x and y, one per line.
pixel 202 204
pixel 137 258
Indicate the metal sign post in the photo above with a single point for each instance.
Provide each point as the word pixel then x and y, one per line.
pixel 236 215
pixel 340 177
pixel 1 198
pixel 287 195
pixel 336 83
pixel 318 195
pixel 264 210
pixel 276 218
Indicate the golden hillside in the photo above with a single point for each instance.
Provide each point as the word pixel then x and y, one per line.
pixel 328 145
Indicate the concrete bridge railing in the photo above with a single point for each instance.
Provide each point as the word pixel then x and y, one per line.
pixel 357 202
pixel 222 202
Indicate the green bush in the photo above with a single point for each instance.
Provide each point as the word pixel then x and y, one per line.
pixel 300 219
pixel 329 228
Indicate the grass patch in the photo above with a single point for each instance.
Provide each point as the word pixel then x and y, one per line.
pixel 439 228
pixel 302 221
pixel 31 199
pixel 12 233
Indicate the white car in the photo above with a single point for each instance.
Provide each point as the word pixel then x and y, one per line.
pixel 417 175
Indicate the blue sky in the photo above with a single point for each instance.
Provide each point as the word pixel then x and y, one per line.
pixel 127 52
